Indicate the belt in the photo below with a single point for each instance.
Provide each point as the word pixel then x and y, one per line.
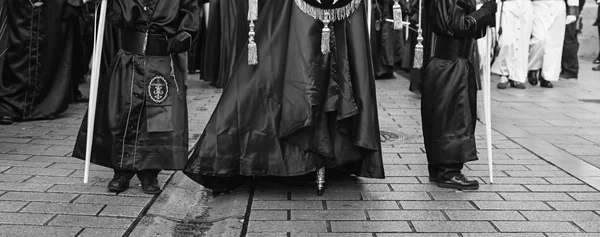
pixel 134 42
pixel 452 49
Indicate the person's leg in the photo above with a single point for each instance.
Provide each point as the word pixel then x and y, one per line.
pixel 120 180
pixel 149 179
pixel 569 62
pixel 450 176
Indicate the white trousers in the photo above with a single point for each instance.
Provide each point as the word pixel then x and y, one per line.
pixel 517 24
pixel 547 37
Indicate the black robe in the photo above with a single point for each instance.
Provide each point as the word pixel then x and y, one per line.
pixel 196 55
pixel 37 74
pixel 383 39
pixel 449 93
pixel 134 130
pixel 3 34
pixel 297 110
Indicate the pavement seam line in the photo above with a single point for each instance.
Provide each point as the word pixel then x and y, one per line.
pixel 248 208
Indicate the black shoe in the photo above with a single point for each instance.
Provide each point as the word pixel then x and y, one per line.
pixel 150 185
pixel 459 182
pixel 7 120
pixel 532 77
pixel 546 84
pixel 597 61
pixel 516 84
pixel 118 184
pixel 596 68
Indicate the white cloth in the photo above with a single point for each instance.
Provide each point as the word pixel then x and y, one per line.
pixel 517 24
pixel 547 37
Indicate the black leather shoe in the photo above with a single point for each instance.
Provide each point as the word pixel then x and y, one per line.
pixel 545 84
pixel 7 120
pixel 532 77
pixel 150 185
pixel 459 182
pixel 516 84
pixel 596 68
pixel 118 184
pixel 597 61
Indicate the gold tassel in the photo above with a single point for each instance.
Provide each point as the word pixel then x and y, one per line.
pixel 418 62
pixel 397 14
pixel 325 35
pixel 252 49
pixel 252 10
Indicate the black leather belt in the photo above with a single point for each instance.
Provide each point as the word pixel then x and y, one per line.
pixel 452 49
pixel 132 41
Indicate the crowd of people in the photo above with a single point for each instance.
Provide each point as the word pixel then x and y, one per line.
pixel 298 79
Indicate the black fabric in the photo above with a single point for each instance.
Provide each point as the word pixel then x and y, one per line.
pixel 37 74
pixel 133 131
pixel 3 36
pixel 328 4
pixel 196 54
pixel 449 91
pixel 444 172
pixel 297 110
pixel 383 39
pixel 570 61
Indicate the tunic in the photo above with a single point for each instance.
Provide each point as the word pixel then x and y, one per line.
pixel 37 74
pixel 297 110
pixel 141 118
pixel 449 92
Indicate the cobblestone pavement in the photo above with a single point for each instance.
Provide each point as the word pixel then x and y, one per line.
pixel 41 185
pixel 546 155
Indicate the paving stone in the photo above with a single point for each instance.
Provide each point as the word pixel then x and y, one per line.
pixel 436 205
pixel 23 218
pixel 542 167
pixel 82 188
pixel 56 159
pixel 417 187
pixel 537 173
pixel 260 215
pixel 417 235
pixel 484 215
pixel 500 188
pixel 330 235
pixel 11 206
pixel 560 188
pixel 361 205
pixel 94 232
pixel 536 196
pixel 24 187
pixel 35 231
pixel 111 200
pixel 535 226
pixel 121 211
pixel 560 215
pixel 564 180
pixel 326 196
pixel 91 221
pixel 391 180
pixel 566 206
pixel 30 164
pixel 40 197
pixel 518 162
pixel 13 177
pixel 39 171
pixel 503 235
pixel 585 196
pixel 518 180
pixel 62 208
pixel 261 234
pixel 512 205
pixel 358 188
pixel 370 226
pixel 465 196
pixel 503 167
pixel 313 215
pixel 400 215
pixel 572 234
pixel 75 166
pixel 287 205
pixel 54 180
pixel 589 226
pixel 6 157
pixel 287 226
pixel 397 196
pixel 271 195
pixel 453 226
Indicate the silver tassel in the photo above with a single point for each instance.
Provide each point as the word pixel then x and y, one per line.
pixel 418 61
pixel 252 49
pixel 397 14
pixel 252 10
pixel 325 35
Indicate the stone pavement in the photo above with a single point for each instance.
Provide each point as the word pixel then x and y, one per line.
pixel 546 155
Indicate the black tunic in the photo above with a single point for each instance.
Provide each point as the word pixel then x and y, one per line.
pixel 133 131
pixel 37 74
pixel 297 110
pixel 449 93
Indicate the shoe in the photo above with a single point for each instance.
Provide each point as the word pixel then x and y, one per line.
pixel 545 84
pixel 81 99
pixel 118 184
pixel 597 61
pixel 532 77
pixel 150 185
pixel 516 84
pixel 567 76
pixel 502 85
pixel 596 68
pixel 7 120
pixel 459 182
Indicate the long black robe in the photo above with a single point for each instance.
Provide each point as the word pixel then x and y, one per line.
pixel 196 54
pixel 3 34
pixel 383 39
pixel 449 93
pixel 297 110
pixel 133 131
pixel 36 78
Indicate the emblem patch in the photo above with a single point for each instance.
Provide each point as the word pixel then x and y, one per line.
pixel 158 89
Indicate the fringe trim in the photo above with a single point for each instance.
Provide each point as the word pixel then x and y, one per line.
pixel 397 15
pixel 332 15
pixel 252 48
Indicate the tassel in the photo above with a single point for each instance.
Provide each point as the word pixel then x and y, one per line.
pixel 252 49
pixel 325 35
pixel 252 10
pixel 397 14
pixel 418 61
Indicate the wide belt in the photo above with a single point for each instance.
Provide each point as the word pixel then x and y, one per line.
pixel 452 49
pixel 136 42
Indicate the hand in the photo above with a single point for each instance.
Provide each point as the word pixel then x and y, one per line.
pixel 491 6
pixel 180 43
pixel 571 19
